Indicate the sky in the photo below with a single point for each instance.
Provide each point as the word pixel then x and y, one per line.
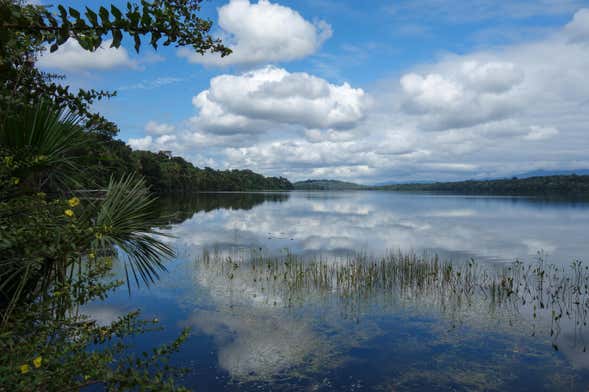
pixel 367 91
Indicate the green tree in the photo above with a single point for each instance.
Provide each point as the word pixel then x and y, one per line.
pixel 27 30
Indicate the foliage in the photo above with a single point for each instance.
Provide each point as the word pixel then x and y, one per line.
pixel 27 30
pixel 174 174
pixel 126 219
pixel 57 231
pixel 174 20
pixel 37 148
pixel 545 185
pixel 55 251
pixel 326 185
pixel 44 348
pixel 560 185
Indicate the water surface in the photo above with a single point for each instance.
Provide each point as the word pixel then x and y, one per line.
pixel 253 330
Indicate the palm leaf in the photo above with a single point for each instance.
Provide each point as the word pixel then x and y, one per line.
pixel 50 134
pixel 127 219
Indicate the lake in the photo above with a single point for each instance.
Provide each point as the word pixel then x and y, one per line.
pixel 319 291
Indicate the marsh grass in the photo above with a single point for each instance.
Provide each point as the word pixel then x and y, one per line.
pixel 539 299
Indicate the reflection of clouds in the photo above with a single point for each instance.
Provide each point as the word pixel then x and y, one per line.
pixel 257 344
pixel 539 245
pixel 256 337
pixel 462 213
pixel 103 314
pixel 264 326
pixel 490 228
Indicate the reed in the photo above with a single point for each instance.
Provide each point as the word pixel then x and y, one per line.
pixel 539 296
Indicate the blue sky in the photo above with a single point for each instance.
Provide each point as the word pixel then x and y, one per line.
pixel 365 91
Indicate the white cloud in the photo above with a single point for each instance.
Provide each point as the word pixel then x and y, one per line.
pixel 541 133
pixel 463 93
pixel 163 142
pixel 258 100
pixel 72 57
pixel 156 128
pixel 486 113
pixel 143 143
pixel 578 28
pixel 263 32
pixel 151 84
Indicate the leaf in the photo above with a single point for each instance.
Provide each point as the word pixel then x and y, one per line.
pixel 155 36
pixel 137 42
pixel 104 16
pixel 62 12
pixel 75 13
pixel 117 37
pixel 92 17
pixel 116 12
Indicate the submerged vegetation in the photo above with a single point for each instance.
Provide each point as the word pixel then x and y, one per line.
pixel 536 299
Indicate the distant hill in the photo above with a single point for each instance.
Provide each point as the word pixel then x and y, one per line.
pixel 541 185
pixel 533 173
pixel 558 185
pixel 544 173
pixel 326 185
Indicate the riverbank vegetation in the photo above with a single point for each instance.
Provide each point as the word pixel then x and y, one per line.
pixel 561 185
pixel 66 211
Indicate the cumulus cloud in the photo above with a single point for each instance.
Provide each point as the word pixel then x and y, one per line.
pixel 541 133
pixel 263 32
pixel 257 100
pixel 156 128
pixel 72 57
pixel 578 28
pixel 487 113
pixel 163 142
pixel 473 92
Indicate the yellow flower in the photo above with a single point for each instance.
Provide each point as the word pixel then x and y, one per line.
pixel 98 235
pixel 69 213
pixel 74 201
pixel 24 368
pixel 91 255
pixel 37 362
pixel 15 180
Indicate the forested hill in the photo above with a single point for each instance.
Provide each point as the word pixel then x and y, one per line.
pixel 326 185
pixel 539 185
pixel 165 173
pixel 544 185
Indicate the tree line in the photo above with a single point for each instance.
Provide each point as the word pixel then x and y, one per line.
pixel 558 185
pixel 165 173
pixel 544 185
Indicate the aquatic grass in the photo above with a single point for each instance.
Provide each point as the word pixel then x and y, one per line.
pixel 540 297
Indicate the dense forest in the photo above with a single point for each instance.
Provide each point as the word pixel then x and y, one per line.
pixel 543 185
pixel 326 185
pixel 165 173
pixel 548 185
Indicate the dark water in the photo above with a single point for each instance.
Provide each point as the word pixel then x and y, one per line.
pixel 254 332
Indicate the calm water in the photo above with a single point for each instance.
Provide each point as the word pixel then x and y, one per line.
pixel 251 331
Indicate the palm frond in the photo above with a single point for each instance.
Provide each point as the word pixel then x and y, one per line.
pixel 127 219
pixel 48 134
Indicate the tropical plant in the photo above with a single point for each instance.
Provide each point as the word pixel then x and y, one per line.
pixel 43 236
pixel 56 246
pixel 43 348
